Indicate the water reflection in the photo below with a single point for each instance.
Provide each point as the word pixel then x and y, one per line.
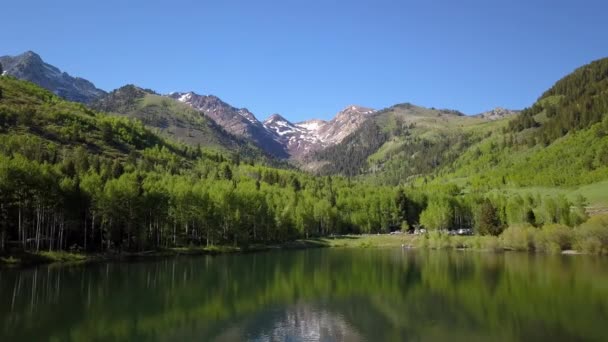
pixel 312 295
pixel 296 323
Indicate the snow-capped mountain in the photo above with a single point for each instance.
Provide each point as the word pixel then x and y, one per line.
pixel 276 135
pixel 238 121
pixel 30 67
pixel 298 140
pixel 308 136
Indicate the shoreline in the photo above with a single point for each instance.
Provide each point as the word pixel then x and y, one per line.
pixel 464 243
pixel 24 259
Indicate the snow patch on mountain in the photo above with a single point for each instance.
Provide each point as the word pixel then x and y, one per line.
pixel 312 135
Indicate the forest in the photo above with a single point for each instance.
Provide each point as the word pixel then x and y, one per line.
pixel 74 179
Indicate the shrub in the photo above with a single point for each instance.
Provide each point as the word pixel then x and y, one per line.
pixel 592 236
pixel 462 241
pixel 520 238
pixel 490 243
pixel 439 240
pixel 421 241
pixel 554 238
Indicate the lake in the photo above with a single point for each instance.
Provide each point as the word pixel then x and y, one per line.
pixel 312 295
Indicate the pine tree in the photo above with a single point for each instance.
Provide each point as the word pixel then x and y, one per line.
pixel 488 223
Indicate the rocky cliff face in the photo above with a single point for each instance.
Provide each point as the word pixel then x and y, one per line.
pixel 238 121
pixel 497 113
pixel 306 137
pixel 30 67
pixel 343 124
pixel 299 141
pixel 277 135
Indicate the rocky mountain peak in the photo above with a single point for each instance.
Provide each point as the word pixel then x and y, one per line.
pixel 29 66
pixel 344 123
pixel 275 118
pixel 238 121
pixel 354 110
pixel 30 57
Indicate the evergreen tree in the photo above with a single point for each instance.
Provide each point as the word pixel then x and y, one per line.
pixel 488 222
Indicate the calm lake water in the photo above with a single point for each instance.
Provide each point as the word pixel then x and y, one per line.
pixel 312 295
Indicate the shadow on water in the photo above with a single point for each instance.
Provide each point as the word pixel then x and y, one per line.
pixel 312 295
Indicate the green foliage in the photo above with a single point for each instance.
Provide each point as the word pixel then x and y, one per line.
pixel 489 243
pixel 592 236
pixel 582 102
pixel 439 240
pixel 173 119
pixel 349 158
pixel 115 185
pixel 487 221
pixel 520 238
pixel 72 178
pixel 438 215
pixel 555 238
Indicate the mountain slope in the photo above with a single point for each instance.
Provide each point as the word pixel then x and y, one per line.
pixel 307 137
pixel 343 124
pixel 171 118
pixel 191 125
pixel 498 113
pixel 399 142
pixel 298 140
pixel 575 102
pixel 40 126
pixel 238 121
pixel 562 140
pixel 30 67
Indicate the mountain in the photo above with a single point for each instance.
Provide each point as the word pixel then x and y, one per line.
pixel 30 67
pixel 298 140
pixel 497 113
pixel 304 138
pixel 277 135
pixel 238 121
pixel 560 141
pixel 171 118
pixel 228 127
pixel 404 137
pixel 342 125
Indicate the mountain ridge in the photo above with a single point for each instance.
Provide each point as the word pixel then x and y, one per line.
pixel 29 66
pixel 276 135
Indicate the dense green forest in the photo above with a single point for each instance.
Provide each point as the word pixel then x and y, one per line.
pixel 576 102
pixel 72 178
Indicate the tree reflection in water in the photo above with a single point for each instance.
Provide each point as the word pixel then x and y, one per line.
pixel 312 295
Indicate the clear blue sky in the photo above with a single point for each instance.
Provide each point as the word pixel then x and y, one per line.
pixel 311 58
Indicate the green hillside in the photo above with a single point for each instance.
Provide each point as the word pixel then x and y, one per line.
pixel 72 178
pixel 559 143
pixel 404 141
pixel 172 119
